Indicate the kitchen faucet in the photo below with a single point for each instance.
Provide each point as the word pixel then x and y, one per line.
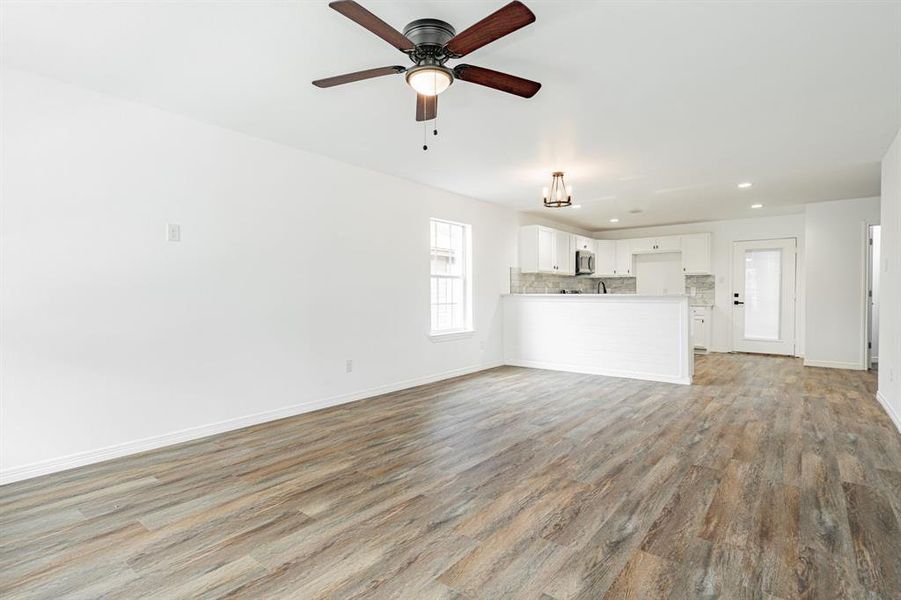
pixel 602 284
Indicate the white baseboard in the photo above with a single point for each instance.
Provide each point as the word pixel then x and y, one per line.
pixel 894 416
pixel 80 459
pixel 598 371
pixel 829 364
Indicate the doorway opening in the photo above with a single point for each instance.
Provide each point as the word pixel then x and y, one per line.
pixel 874 246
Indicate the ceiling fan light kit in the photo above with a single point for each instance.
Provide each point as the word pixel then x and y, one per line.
pixel 429 44
pixel 428 80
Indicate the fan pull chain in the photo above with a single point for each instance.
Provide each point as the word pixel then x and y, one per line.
pixel 435 130
pixel 424 145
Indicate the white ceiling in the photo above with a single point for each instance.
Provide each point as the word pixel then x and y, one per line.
pixel 659 106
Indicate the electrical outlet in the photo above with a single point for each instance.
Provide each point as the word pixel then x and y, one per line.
pixel 348 366
pixel 173 232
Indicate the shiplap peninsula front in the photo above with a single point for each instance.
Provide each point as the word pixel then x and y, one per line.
pixel 620 335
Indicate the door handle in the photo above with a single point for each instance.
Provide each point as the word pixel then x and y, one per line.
pixel 737 302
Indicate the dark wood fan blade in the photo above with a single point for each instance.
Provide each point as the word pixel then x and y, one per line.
pixel 364 18
pixel 426 107
pixel 497 80
pixel 495 26
pixel 358 76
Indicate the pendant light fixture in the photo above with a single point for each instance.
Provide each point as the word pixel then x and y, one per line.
pixel 559 195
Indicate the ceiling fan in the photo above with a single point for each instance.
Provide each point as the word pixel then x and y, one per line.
pixel 430 43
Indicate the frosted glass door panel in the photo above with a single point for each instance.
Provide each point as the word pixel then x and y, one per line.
pixel 763 294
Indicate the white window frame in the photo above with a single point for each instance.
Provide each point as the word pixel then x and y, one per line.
pixel 466 278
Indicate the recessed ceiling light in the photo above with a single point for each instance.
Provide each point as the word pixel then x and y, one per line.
pixel 614 220
pixel 577 206
pixel 757 206
pixel 744 184
pixel 635 211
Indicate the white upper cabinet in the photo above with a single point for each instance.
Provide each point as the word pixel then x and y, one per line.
pixel 696 254
pixel 584 243
pixel 670 243
pixel 623 258
pixel 641 245
pixel 546 250
pixel 565 255
pixel 605 258
pixel 547 247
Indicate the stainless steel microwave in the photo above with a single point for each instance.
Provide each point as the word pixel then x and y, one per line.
pixel 584 262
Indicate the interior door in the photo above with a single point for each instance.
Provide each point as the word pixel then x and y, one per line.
pixel 763 296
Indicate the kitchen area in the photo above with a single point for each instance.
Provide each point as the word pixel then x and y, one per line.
pixel 635 308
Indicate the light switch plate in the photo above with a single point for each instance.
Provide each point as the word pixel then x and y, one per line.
pixel 173 232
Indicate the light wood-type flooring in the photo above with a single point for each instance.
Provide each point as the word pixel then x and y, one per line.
pixel 765 479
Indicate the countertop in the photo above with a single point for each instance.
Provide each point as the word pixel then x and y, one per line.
pixel 673 297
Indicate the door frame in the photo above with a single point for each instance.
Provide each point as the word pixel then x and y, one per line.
pixel 793 289
pixel 868 301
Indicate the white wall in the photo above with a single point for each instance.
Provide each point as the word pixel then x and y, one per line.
pixel 290 264
pixel 724 233
pixel 836 250
pixel 890 284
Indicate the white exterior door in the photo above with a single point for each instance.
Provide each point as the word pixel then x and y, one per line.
pixel 763 296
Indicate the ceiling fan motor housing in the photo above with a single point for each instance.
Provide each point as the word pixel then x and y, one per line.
pixel 429 32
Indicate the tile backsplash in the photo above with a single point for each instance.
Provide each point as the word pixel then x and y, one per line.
pixel 543 283
pixel 700 287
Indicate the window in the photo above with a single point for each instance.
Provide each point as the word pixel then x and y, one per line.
pixel 450 277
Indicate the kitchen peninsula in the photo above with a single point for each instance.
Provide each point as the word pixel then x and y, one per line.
pixel 619 335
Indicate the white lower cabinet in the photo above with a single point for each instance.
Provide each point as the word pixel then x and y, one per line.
pixel 701 327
